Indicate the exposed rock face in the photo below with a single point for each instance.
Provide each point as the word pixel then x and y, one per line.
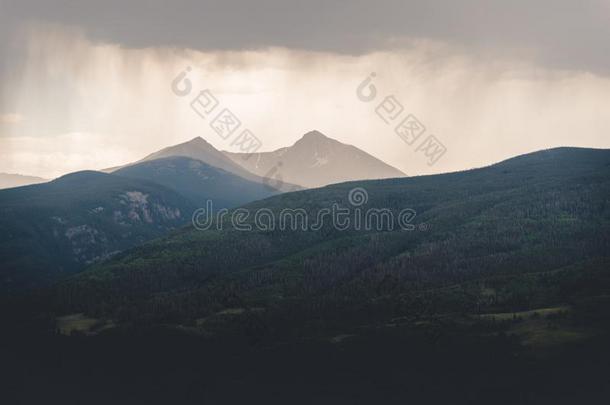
pixel 137 205
pixel 90 244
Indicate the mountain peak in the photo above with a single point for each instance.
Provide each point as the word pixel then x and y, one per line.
pixel 314 135
pixel 197 141
pixel 315 138
pixel 316 160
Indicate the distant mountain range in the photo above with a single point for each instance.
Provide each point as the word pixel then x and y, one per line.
pixel 8 180
pixel 314 161
pixel 60 227
pixel 199 149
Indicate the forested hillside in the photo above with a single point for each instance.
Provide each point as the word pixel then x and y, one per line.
pixel 54 229
pixel 530 232
pixel 499 293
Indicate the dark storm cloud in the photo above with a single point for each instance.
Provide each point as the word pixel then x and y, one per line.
pixel 559 33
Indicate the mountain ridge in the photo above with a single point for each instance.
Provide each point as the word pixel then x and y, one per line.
pixel 199 149
pixel 316 160
pixel 198 181
pixel 10 180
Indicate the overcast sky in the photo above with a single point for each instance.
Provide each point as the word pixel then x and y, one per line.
pixel 87 84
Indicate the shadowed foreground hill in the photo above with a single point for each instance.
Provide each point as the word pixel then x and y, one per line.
pixel 529 232
pixel 499 295
pixel 57 228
